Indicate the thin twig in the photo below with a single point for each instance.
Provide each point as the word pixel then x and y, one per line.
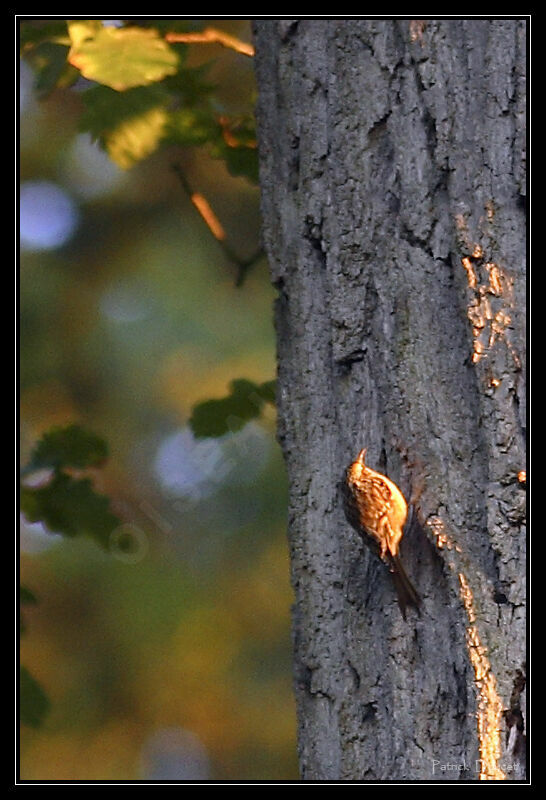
pixel 215 227
pixel 211 36
pixel 244 266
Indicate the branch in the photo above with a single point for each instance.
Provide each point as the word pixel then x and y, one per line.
pixel 210 36
pixel 215 227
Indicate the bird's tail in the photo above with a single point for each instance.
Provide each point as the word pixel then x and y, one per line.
pixel 406 593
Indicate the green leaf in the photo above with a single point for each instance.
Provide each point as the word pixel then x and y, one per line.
pixel 70 446
pixel 240 161
pixel 52 71
pixel 237 146
pixel 267 391
pixel 129 126
pixel 189 127
pixel 70 507
pixel 33 701
pixel 121 58
pixel 105 110
pixel 33 32
pixel 189 85
pixel 231 413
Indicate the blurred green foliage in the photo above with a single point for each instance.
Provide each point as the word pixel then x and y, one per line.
pixel 68 506
pixel 231 413
pixel 69 446
pixel 182 623
pixel 71 507
pixel 142 94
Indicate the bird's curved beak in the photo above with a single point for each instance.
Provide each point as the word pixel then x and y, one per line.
pixel 361 456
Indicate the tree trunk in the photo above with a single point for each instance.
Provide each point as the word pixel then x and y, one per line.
pixel 393 197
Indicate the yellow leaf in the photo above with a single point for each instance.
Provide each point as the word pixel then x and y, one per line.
pixel 137 138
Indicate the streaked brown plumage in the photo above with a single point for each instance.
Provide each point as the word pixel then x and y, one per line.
pixel 377 510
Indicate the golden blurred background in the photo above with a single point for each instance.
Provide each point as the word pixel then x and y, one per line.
pixel 173 661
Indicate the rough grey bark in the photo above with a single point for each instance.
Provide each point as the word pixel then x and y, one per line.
pixel 393 197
